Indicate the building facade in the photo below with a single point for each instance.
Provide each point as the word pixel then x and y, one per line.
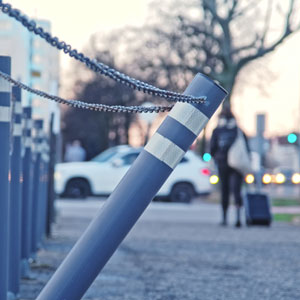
pixel 35 63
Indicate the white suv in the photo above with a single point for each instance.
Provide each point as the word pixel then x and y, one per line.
pixel 101 175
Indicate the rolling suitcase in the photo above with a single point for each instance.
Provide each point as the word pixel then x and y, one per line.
pixel 257 209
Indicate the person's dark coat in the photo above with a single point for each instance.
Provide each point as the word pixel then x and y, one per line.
pixel 223 137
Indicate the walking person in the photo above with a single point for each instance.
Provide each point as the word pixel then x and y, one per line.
pixel 231 180
pixel 75 152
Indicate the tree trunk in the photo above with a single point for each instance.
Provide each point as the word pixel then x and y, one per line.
pixel 227 81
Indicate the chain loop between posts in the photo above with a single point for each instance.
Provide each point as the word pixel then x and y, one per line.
pixel 85 105
pixel 94 65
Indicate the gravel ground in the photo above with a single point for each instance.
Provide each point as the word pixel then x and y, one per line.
pixel 180 252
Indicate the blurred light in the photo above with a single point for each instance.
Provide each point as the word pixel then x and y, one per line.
pixel 206 157
pixel 249 178
pixel 214 179
pixel 267 178
pixel 296 178
pixel 292 138
pixel 205 172
pixel 280 178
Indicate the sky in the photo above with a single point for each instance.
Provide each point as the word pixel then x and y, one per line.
pixel 75 21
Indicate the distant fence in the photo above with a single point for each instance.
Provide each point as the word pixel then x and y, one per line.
pixel 26 185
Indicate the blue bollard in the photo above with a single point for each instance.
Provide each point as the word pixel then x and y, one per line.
pixel 133 194
pixel 39 202
pixel 37 125
pixel 26 195
pixel 15 210
pixel 43 193
pixel 5 118
pixel 50 178
pixel 46 183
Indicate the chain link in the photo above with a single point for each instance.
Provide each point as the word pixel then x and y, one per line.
pixel 85 105
pixel 94 65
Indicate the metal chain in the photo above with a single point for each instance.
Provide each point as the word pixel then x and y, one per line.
pixel 85 105
pixel 94 65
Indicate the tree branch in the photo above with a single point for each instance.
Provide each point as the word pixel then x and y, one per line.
pixel 262 51
pixel 224 24
pixel 232 11
pixel 197 30
pixel 250 6
pixel 210 5
pixel 267 22
pixel 243 48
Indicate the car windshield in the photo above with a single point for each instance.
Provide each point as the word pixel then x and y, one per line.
pixel 105 155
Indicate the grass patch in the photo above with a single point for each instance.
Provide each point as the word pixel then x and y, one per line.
pixel 285 202
pixel 285 217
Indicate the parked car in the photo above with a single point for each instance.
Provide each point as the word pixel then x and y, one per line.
pixel 101 175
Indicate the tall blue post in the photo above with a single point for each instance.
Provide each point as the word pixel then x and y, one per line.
pixel 46 183
pixel 133 194
pixel 26 194
pixel 38 125
pixel 42 205
pixel 50 177
pixel 15 209
pixel 5 118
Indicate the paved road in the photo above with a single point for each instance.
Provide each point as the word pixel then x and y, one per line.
pixel 178 251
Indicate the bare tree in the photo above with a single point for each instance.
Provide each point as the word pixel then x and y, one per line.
pixel 216 37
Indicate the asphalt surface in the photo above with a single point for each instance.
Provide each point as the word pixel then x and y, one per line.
pixel 179 251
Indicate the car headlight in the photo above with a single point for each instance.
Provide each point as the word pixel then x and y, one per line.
pixel 280 178
pixel 296 178
pixel 214 179
pixel 267 178
pixel 249 178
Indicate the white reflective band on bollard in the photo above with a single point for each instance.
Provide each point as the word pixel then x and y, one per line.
pixel 38 148
pixel 165 150
pixel 29 124
pixel 189 116
pixel 5 86
pixel 18 108
pixel 27 142
pixel 5 114
pixel 17 129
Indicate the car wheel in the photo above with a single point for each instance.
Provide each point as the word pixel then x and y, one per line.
pixel 77 188
pixel 182 192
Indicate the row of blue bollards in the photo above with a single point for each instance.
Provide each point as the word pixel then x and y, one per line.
pixel 24 165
